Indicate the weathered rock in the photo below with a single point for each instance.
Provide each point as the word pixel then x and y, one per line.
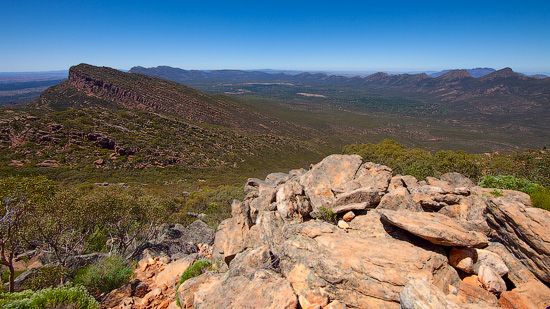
pixel 473 294
pixel 463 258
pixel 270 230
pixel 518 273
pixel 275 179
pixel 266 196
pixel 198 232
pixel 343 224
pixel 348 216
pixel 252 184
pixel 457 180
pixel 371 175
pixel 524 231
pixel 399 181
pixel 313 299
pixel 186 291
pixel 264 289
pixel 398 199
pixel 140 288
pixel 348 207
pixel 291 201
pixel 491 281
pixel 420 294
pixel 172 272
pixel 488 258
pixel 367 195
pixel 115 297
pixel 329 174
pixel 511 195
pixel 432 181
pixel 528 295
pixel 434 227
pixel 365 267
pixel 470 213
pixel 231 234
pixel 251 259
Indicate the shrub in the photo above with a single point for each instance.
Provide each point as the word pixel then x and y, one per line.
pixel 63 297
pixel 105 275
pixel 541 198
pixel 47 277
pixel 326 214
pixel 192 271
pixel 508 182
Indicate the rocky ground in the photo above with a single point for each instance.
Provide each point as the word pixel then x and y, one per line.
pixel 349 234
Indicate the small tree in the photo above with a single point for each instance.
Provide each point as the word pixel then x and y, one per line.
pixel 20 196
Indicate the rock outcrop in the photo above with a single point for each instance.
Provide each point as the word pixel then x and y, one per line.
pixel 442 243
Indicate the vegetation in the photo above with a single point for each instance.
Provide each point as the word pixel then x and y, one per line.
pixel 192 271
pixel 508 182
pixel 105 275
pixel 63 297
pixel 327 215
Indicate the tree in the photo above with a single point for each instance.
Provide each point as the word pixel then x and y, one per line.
pixel 19 197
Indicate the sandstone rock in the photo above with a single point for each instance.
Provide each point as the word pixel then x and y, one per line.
pixel 270 225
pixel 348 207
pixel 140 288
pixel 432 181
pixel 528 295
pixel 518 273
pixel 488 258
pixel 491 281
pixel 524 231
pixel 371 175
pixel 291 201
pixel 457 180
pixel 115 297
pixel 252 184
pixel 399 181
pixel 335 304
pixel 473 280
pixel 172 272
pixel 463 258
pixel 365 267
pixel 264 289
pixel 186 291
pixel 251 259
pixel 313 299
pixel 348 216
pixel 231 234
pixel 343 224
pixel 422 294
pixel 48 163
pixel 199 232
pixel 511 195
pixel 329 174
pixel 367 195
pixel 473 294
pixel 275 179
pixel 470 213
pixel 434 227
pixel 151 296
pixel 398 199
pixel 266 196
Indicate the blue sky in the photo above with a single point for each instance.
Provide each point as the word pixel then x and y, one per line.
pixel 296 35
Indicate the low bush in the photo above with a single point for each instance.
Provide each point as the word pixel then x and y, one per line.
pixel 508 182
pixel 192 271
pixel 105 275
pixel 63 297
pixel 541 198
pixel 326 214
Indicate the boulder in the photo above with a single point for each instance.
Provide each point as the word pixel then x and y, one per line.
pixel 371 175
pixel 399 199
pixel 198 232
pixel 491 281
pixel 291 201
pixel 488 258
pixel 463 258
pixel 399 181
pixel 432 181
pixel 517 272
pixel 249 260
pixel 172 272
pixel 524 231
pixel 528 295
pixel 262 289
pixel 186 291
pixel 348 216
pixel 434 227
pixel 365 267
pixel 470 213
pixel 275 179
pixel 457 180
pixel 231 234
pixel 420 294
pixel 327 175
pixel 367 195
pixel 474 294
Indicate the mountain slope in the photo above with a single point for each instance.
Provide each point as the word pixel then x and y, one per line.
pixel 100 86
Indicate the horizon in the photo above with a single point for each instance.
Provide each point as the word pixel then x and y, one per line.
pixel 304 36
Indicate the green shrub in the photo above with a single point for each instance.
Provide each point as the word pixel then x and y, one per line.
pixel 63 297
pixel 47 277
pixel 508 182
pixel 496 192
pixel 541 198
pixel 105 275
pixel 192 271
pixel 326 214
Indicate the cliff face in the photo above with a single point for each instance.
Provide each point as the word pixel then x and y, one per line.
pixel 91 86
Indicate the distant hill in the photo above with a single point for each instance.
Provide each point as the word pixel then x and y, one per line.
pixel 477 72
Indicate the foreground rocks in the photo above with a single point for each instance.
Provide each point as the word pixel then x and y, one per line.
pixel 349 234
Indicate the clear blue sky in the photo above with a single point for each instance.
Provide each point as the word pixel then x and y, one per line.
pixel 300 35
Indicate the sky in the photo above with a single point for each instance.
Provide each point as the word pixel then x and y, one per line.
pixel 289 35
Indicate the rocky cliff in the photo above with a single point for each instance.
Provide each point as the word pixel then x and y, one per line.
pixel 350 234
